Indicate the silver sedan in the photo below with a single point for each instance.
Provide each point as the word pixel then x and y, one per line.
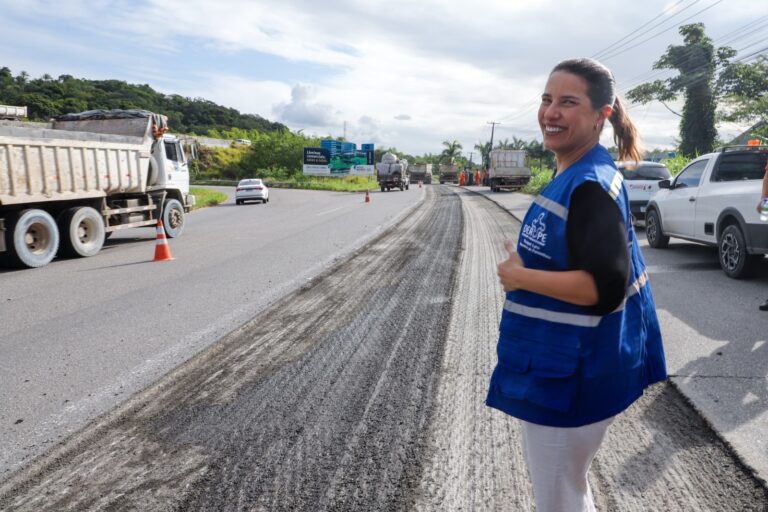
pixel 252 189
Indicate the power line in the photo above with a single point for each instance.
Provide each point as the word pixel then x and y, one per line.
pixel 615 46
pixel 619 52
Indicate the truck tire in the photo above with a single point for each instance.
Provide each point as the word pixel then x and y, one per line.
pixel 32 239
pixel 173 218
pixel 382 188
pixel 82 232
pixel 653 231
pixel 735 261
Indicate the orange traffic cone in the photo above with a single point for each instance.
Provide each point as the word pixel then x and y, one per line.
pixel 367 197
pixel 162 249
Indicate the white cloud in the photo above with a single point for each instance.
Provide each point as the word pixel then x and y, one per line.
pixel 399 73
pixel 302 110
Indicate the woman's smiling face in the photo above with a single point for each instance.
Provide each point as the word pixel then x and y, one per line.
pixel 568 121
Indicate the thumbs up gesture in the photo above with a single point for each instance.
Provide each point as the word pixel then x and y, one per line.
pixel 510 270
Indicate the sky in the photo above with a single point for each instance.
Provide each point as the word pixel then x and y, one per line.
pixel 404 74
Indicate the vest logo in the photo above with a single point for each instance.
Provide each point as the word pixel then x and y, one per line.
pixel 534 237
pixel 536 231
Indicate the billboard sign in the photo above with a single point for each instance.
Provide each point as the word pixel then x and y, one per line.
pixel 324 162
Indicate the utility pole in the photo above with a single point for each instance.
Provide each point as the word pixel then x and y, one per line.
pixel 493 126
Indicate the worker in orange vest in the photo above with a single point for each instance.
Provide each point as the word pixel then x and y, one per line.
pixel 461 179
pixel 477 177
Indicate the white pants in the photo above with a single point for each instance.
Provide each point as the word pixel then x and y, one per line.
pixel 558 460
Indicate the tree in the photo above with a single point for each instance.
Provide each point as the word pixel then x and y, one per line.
pixel 451 152
pixel 485 152
pixel 745 91
pixel 536 151
pixel 696 62
pixel 515 144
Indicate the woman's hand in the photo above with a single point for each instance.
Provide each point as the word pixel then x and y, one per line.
pixel 510 270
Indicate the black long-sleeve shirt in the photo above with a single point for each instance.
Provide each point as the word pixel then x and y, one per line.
pixel 597 243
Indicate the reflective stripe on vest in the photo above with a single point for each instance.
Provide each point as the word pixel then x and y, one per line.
pixel 573 318
pixel 551 206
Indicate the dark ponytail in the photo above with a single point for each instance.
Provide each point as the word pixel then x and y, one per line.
pixel 625 133
pixel 601 89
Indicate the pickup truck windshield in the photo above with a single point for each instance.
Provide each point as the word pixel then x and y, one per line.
pixel 737 166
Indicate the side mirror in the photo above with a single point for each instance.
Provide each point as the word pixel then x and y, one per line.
pixel 665 184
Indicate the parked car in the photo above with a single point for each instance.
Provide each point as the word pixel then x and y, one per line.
pixel 642 181
pixel 712 201
pixel 252 189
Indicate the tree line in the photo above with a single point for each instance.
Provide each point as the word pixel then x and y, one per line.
pixel 47 97
pixel 715 84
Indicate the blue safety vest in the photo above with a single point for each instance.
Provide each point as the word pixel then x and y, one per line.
pixel 559 364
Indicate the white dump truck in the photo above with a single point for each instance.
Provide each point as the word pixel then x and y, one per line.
pixel 420 173
pixel 65 187
pixel 508 170
pixel 449 173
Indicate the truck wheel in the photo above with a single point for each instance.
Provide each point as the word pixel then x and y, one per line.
pixel 82 232
pixel 33 239
pixel 733 256
pixel 382 188
pixel 173 218
pixel 653 232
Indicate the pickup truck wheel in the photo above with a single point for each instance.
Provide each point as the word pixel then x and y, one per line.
pixel 732 251
pixel 173 218
pixel 382 188
pixel 82 232
pixel 32 239
pixel 653 232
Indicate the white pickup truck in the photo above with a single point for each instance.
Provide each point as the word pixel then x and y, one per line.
pixel 713 201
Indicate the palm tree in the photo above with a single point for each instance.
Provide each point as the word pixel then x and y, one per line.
pixel 485 152
pixel 451 151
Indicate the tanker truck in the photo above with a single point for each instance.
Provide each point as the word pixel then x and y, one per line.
pixel 392 172
pixel 508 170
pixel 68 185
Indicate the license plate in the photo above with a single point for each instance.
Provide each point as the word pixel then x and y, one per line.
pixel 642 209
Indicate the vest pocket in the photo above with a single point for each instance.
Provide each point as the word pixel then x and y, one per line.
pixel 546 378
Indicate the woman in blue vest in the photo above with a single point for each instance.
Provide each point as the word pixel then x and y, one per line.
pixel 579 338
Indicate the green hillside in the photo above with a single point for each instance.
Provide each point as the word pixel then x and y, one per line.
pixel 47 97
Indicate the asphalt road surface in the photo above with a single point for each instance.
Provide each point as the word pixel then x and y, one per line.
pixel 363 391
pixel 80 336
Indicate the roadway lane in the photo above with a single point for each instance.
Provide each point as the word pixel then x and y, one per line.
pixel 364 391
pixel 80 336
pixel 318 403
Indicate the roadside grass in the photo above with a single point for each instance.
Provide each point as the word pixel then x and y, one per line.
pixel 205 197
pixel 346 184
pixel 540 177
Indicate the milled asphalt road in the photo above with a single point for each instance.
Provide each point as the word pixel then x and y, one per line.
pixel 363 391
